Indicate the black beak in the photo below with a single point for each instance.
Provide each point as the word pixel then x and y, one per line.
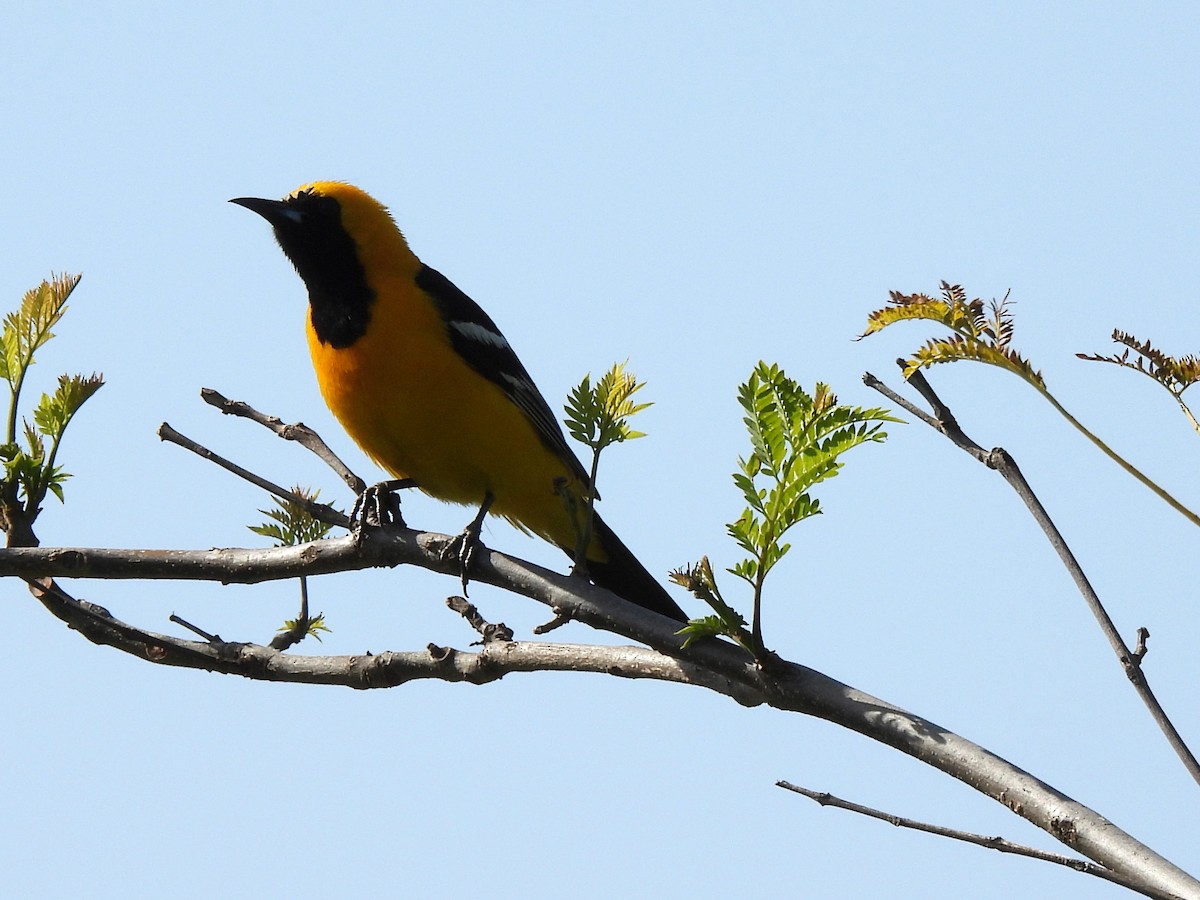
pixel 277 212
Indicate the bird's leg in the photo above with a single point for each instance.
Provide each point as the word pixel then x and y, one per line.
pixel 465 544
pixel 379 506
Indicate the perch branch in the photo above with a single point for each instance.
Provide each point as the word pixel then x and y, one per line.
pixel 713 664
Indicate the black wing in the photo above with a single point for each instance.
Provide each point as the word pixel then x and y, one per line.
pixel 475 337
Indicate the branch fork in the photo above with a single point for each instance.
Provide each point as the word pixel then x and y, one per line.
pixel 943 421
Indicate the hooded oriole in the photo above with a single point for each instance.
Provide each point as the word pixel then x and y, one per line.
pixel 426 384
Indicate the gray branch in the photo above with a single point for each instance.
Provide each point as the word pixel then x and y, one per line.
pixel 999 844
pixel 716 665
pixel 943 421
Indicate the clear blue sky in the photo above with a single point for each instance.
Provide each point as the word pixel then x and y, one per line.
pixel 693 187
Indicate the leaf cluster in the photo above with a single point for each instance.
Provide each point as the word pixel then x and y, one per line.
pixel 599 416
pixel 700 580
pixel 29 456
pixel 979 332
pixel 27 329
pixel 290 523
pixel 31 467
pixel 1175 373
pixel 298 629
pixel 986 336
pixel 797 440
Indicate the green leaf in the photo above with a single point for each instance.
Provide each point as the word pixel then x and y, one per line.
pixel 727 621
pixel 36 446
pixel 271 530
pixel 56 410
pixel 27 329
pixel 583 412
pixel 311 626
pixel 290 522
pixel 694 630
pixel 797 440
pixel 599 415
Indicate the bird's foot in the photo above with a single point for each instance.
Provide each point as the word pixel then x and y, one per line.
pixel 379 507
pixel 463 547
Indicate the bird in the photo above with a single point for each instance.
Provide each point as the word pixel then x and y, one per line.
pixel 427 385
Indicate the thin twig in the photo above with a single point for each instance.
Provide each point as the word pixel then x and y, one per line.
pixel 992 843
pixel 200 632
pixel 1112 454
pixel 286 638
pixel 298 432
pixel 911 408
pixel 320 511
pixel 999 459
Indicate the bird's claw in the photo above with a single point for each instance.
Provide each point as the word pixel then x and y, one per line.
pixel 377 507
pixel 462 549
pixel 464 546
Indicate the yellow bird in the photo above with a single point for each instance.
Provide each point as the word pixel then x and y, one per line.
pixel 426 384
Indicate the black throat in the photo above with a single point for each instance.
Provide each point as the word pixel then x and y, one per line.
pixel 326 257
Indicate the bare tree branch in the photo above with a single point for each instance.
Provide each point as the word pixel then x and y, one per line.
pixel 716 665
pixel 992 843
pixel 999 459
pixel 298 432
pixel 368 670
pixel 320 511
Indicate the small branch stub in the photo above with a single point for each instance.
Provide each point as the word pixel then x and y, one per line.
pixel 1140 651
pixel 489 631
pixel 560 619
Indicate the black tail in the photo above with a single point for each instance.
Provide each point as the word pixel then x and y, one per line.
pixel 622 574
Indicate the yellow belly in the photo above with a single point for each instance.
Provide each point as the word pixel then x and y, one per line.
pixel 420 412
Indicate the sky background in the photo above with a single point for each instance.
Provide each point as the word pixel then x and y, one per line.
pixel 693 187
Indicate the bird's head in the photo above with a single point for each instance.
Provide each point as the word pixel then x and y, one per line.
pixel 344 245
pixel 324 226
